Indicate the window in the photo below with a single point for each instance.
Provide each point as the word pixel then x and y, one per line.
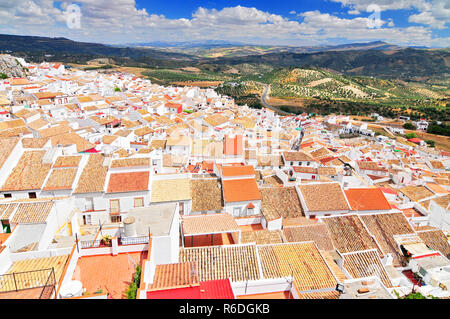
pixel 139 202
pixel 312 216
pixel 7 195
pixel 114 206
pixel 116 219
pixel 250 211
pixel 236 211
pixel 89 203
pixel 87 219
pixel 292 163
pixel 32 195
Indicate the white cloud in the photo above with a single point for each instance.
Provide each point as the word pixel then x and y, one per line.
pixel 354 12
pixel 434 13
pixel 385 4
pixel 437 16
pixel 119 21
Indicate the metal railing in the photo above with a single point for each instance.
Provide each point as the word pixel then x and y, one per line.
pixel 27 280
pixel 133 240
pixel 94 243
pixel 49 286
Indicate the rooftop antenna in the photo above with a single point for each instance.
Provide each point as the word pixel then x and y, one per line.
pixel 101 226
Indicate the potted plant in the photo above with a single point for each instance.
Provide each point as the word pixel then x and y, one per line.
pixel 106 240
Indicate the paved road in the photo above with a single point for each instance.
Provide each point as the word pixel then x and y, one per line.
pixel 264 102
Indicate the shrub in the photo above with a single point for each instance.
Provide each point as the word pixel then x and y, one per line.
pixel 409 126
pixel 414 295
pixel 431 143
pixel 117 89
pixel 3 76
pixel 135 284
pixel 441 129
pixel 411 135
pixel 132 291
pixel 285 108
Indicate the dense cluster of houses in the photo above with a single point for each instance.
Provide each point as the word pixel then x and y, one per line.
pixel 102 172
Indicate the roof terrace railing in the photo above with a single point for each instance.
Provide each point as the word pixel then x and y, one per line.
pixel 133 240
pixel 27 280
pixel 94 243
pixel 49 286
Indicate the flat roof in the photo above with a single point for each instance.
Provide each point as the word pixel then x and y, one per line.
pixel 374 286
pixel 156 217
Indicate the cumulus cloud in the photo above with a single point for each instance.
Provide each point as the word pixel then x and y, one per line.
pixel 434 13
pixel 384 5
pixel 120 21
pixel 436 16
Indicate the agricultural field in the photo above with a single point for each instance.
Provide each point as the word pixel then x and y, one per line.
pixel 322 90
pixel 171 76
pixel 243 92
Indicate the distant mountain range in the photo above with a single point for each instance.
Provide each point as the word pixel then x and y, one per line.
pixel 370 59
pixel 168 44
pixel 376 45
pixel 16 43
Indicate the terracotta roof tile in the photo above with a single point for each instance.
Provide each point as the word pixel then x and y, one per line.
pixel 206 195
pixel 303 261
pixel 324 197
pixel 171 190
pixel 384 226
pixel 261 237
pixel 7 145
pixel 174 276
pixel 30 213
pixel 365 264
pixel 128 182
pixel 280 202
pixel 208 224
pixel 29 173
pixel 67 161
pixel 131 162
pixel 316 232
pixel 239 263
pixel 93 177
pixel 437 240
pixel 348 234
pixel 60 179
pixel 239 190
pixel 363 199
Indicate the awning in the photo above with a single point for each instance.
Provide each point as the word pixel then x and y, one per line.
pixel 92 150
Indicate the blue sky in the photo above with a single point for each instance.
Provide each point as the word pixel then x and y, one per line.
pixel 287 22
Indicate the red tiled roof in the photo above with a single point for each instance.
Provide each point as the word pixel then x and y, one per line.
pixel 388 190
pixel 238 171
pixel 213 289
pixel 216 289
pixel 367 199
pixel 240 190
pixel 415 140
pixel 128 182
